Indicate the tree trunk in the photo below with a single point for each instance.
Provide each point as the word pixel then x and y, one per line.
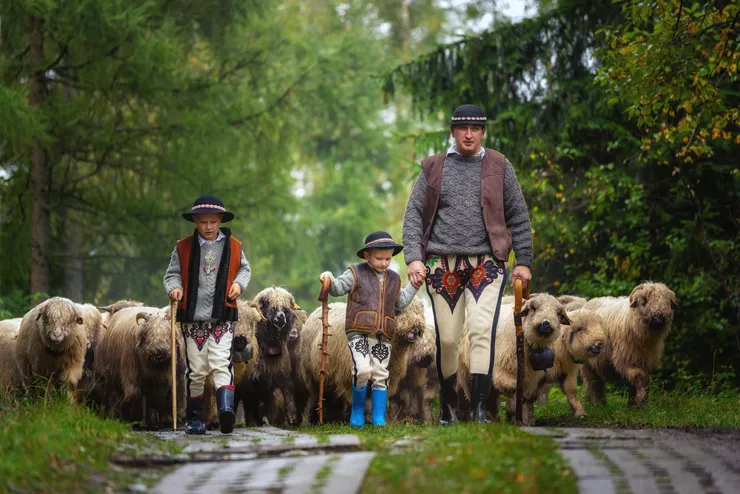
pixel 73 241
pixel 40 175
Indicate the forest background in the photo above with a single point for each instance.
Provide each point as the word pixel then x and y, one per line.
pixel 309 118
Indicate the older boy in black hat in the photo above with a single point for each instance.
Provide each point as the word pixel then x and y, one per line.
pixel 465 213
pixel 374 297
pixel 207 273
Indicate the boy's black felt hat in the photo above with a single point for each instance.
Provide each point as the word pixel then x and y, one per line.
pixel 208 204
pixel 379 240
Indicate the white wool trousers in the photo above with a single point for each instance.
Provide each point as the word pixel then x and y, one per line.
pixel 465 288
pixel 370 355
pixel 208 350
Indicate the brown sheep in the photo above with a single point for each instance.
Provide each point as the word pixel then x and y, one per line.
pixel 52 342
pixel 572 302
pixel 579 342
pixel 133 366
pixel 273 367
pixel 249 317
pixel 410 326
pixel 636 327
pixel 543 317
pixel 8 370
pixel 294 348
pixel 411 403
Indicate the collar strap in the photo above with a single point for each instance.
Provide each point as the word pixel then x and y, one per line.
pixel 55 353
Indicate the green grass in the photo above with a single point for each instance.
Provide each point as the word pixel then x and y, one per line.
pixel 672 409
pixel 53 446
pixel 460 458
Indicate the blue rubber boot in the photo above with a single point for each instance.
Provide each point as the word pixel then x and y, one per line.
pixel 226 408
pixel 357 418
pixel 379 397
pixel 194 414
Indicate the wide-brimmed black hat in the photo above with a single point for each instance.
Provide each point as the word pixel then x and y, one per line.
pixel 379 240
pixel 208 204
pixel 468 115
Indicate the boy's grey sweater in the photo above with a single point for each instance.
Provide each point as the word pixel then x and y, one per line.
pixel 344 284
pixel 206 281
pixel 459 227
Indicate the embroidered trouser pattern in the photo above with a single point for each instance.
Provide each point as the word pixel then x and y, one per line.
pixel 465 288
pixel 370 355
pixel 208 349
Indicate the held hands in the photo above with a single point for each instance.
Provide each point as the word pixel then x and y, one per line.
pixel 176 295
pixel 326 275
pixel 416 272
pixel 234 291
pixel 523 273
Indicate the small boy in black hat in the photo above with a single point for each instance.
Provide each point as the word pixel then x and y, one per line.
pixel 207 273
pixel 374 297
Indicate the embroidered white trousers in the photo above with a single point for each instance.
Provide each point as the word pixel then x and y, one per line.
pixel 208 350
pixel 370 354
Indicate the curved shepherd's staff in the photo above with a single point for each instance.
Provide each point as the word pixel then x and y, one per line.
pixel 173 325
pixel 324 299
pixel 518 295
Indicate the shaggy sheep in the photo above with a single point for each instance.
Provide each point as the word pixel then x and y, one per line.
pixel 572 302
pixel 294 348
pixel 52 342
pixel 579 342
pixel 410 326
pixel 249 317
pixel 133 366
pixel 543 317
pixel 8 371
pixel 411 403
pixel 111 309
pixel 273 367
pixel 636 327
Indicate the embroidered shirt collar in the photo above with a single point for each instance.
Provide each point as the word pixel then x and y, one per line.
pixel 453 150
pixel 220 237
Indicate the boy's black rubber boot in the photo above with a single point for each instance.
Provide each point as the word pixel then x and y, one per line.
pixel 194 414
pixel 226 413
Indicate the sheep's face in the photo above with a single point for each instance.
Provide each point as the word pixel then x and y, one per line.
pixel 154 341
pixel 543 316
pixel 410 323
pixel 585 337
pixel 653 303
pixel 422 354
pixel 279 310
pixel 59 322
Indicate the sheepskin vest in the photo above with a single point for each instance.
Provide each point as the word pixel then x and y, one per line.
pixel 371 306
pixel 491 200
pixel 224 308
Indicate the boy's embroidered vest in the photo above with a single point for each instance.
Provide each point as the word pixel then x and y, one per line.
pixel 224 308
pixel 491 201
pixel 370 309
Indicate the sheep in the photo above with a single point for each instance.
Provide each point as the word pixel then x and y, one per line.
pixel 8 371
pixel 249 317
pixel 572 302
pixel 52 342
pixel 579 342
pixel 636 328
pixel 273 365
pixel 543 317
pixel 294 348
pixel 410 326
pixel 111 309
pixel 411 402
pixel 133 366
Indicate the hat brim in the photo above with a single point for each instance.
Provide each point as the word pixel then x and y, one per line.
pixel 383 245
pixel 482 123
pixel 227 216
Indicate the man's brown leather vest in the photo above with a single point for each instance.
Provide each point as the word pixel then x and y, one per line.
pixel 371 309
pixel 491 200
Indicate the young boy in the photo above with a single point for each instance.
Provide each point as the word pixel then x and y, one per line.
pixel 207 273
pixel 374 297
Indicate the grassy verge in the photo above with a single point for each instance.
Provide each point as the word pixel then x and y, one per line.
pixel 662 410
pixel 460 458
pixel 53 446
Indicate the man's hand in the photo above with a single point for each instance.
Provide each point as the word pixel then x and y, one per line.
pixel 234 291
pixel 523 273
pixel 326 275
pixel 176 295
pixel 416 272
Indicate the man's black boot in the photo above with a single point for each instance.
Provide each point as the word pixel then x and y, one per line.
pixel 448 400
pixel 480 385
pixel 226 412
pixel 194 416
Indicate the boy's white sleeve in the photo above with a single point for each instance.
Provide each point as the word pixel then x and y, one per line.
pixel 244 274
pixel 173 276
pixel 406 296
pixel 342 285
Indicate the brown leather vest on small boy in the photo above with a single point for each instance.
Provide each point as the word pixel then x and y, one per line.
pixel 371 307
pixel 491 201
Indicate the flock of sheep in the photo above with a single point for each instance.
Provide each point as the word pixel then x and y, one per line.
pixel 119 357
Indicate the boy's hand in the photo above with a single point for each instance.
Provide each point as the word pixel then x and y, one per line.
pixel 234 291
pixel 176 295
pixel 326 275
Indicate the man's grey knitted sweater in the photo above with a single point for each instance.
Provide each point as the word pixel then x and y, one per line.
pixel 459 227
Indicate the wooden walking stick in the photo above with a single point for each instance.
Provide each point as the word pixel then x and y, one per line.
pixel 519 349
pixel 173 324
pixel 324 299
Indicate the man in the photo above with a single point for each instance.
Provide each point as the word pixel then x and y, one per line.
pixel 465 213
